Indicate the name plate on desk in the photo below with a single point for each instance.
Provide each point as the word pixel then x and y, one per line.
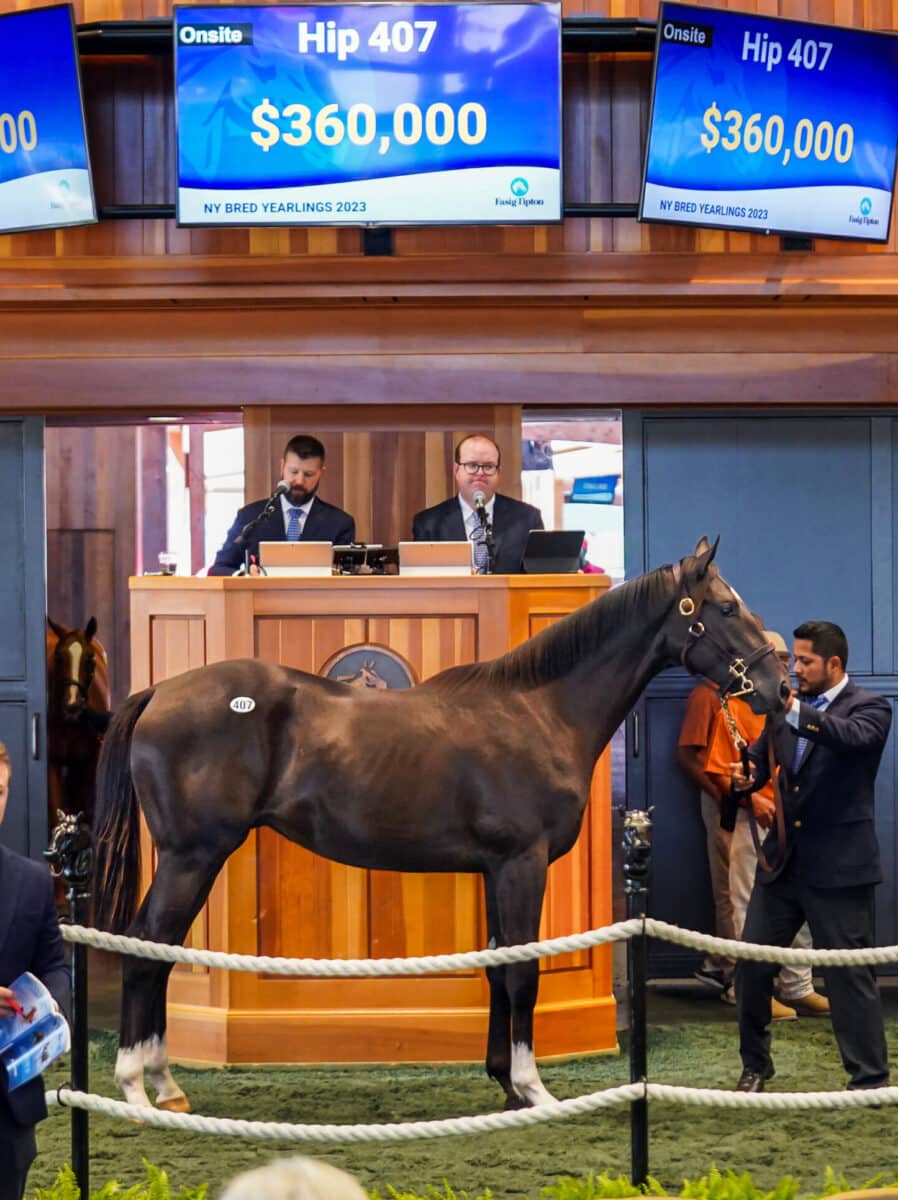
pixel 299 559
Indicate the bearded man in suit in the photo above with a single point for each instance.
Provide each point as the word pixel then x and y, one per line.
pixel 29 941
pixel 299 514
pixel 478 469
pixel 829 743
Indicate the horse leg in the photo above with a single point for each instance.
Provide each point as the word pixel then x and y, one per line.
pixel 520 887
pixel 498 1046
pixel 179 889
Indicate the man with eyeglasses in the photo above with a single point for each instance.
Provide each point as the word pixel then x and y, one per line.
pixel 478 469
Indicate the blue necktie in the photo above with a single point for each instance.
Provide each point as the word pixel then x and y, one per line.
pixel 478 542
pixel 294 523
pixel 801 743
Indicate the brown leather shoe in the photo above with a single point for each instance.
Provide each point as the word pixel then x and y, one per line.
pixel 811 1005
pixel 781 1012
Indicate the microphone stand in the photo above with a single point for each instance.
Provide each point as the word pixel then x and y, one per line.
pixel 243 536
pixel 486 527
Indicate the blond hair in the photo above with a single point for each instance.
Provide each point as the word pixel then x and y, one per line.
pixel 294 1179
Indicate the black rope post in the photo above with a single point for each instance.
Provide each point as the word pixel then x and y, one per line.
pixel 71 857
pixel 637 860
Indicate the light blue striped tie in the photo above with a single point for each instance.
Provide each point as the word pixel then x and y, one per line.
pixel 294 524
pixel 801 743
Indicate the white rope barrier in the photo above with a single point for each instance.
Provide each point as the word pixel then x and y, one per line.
pixel 407 1131
pixel 556 1110
pixel 345 968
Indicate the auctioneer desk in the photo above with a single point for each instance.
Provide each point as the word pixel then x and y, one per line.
pixel 275 898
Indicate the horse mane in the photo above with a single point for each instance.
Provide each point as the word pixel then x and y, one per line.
pixel 557 649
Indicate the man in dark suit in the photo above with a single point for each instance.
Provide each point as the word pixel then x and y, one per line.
pixel 29 941
pixel 478 468
pixel 297 515
pixel 829 743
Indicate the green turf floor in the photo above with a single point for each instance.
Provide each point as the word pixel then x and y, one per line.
pixel 692 1041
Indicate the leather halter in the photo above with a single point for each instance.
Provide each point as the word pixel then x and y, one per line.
pixel 739 667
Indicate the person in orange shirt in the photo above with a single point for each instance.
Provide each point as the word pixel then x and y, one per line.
pixel 702 709
pixel 795 985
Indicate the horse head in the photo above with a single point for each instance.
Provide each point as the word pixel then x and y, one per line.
pixel 712 633
pixel 74 670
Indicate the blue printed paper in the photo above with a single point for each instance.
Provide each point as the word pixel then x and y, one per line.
pixel 44 170
pixel 368 113
pixel 771 125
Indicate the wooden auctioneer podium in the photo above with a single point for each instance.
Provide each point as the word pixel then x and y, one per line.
pixel 275 898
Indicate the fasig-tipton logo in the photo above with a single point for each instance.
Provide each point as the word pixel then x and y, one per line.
pixel 232 34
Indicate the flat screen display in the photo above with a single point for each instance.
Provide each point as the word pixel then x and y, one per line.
pixel 368 114
pixel 45 180
pixel 771 125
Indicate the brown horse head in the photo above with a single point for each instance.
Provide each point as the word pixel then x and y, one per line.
pixel 77 671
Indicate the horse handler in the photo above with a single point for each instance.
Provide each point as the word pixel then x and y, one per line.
pixel 29 941
pixel 829 741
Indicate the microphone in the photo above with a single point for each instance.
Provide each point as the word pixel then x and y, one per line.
pixel 479 499
pixel 281 490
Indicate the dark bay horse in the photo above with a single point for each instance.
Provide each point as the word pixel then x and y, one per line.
pixel 78 700
pixel 399 780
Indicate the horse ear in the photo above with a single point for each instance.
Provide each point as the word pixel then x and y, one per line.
pixel 704 554
pixel 90 629
pixel 57 629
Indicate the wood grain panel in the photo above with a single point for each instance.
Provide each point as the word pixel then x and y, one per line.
pixel 309 907
pixel 177 644
pixel 92 522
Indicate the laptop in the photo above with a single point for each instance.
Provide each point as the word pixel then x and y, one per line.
pixel 296 558
pixel 553 551
pixel 435 558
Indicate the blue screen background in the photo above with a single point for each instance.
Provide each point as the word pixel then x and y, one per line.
pixel 859 86
pixel 38 72
pixel 505 57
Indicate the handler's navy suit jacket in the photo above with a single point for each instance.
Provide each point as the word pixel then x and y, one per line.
pixel 324 523
pixel 828 802
pixel 512 521
pixel 29 941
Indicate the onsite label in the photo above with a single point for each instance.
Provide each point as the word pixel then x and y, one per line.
pixel 369 114
pixel 771 125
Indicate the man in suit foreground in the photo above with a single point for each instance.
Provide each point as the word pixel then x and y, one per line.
pixel 478 468
pixel 296 515
pixel 29 941
pixel 829 743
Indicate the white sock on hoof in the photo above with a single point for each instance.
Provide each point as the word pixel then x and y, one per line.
pixel 129 1075
pixel 155 1061
pixel 525 1076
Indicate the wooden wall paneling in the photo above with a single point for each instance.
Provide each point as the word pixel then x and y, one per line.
pixel 177 643
pixel 309 907
pixel 152 501
pixel 91 494
pixel 305 643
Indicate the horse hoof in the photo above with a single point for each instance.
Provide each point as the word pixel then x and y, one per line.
pixel 513 1103
pixel 177 1104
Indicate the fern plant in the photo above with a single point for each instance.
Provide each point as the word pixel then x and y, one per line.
pixel 154 1186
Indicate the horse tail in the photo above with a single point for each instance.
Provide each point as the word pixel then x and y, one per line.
pixel 117 821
